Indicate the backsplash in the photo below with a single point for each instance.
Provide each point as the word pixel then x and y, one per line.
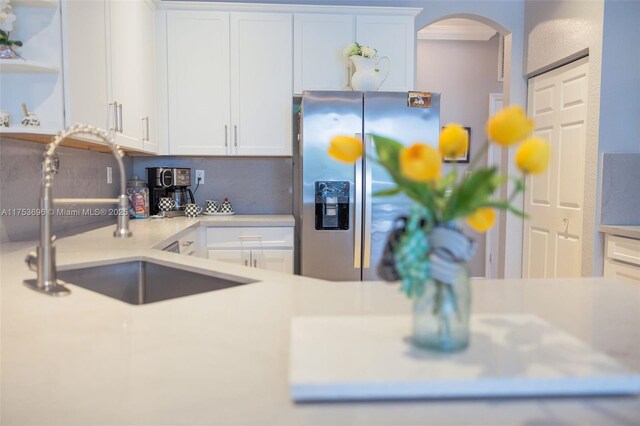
pixel 82 174
pixel 620 203
pixel 253 185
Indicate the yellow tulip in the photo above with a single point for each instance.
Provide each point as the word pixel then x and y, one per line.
pixel 454 140
pixel 533 155
pixel 420 163
pixel 345 148
pixel 482 219
pixel 509 125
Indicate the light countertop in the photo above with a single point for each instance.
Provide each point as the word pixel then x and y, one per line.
pixel 622 230
pixel 222 357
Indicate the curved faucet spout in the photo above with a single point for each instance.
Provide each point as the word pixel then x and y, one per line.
pixel 44 260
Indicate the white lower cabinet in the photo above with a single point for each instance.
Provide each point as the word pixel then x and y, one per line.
pixel 622 261
pixel 269 248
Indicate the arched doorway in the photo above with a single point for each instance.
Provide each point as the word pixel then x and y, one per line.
pixel 462 56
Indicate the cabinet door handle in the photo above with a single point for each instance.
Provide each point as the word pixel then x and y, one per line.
pixel 255 263
pixel 146 119
pixel 253 237
pixel 246 262
pixel 226 137
pixel 115 116
pixel 235 136
pixel 120 117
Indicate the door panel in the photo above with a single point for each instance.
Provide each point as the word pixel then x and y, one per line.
pixel 319 40
pixel 554 199
pixel 237 257
pixel 198 96
pixel 538 244
pixel 387 114
pixel 273 260
pixel 261 83
pixel 394 37
pixel 332 254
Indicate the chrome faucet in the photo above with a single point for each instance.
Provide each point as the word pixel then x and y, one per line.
pixel 44 260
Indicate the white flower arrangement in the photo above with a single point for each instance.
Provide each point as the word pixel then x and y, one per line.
pixel 7 18
pixel 355 49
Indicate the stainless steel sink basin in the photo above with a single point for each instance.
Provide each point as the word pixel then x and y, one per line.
pixel 141 282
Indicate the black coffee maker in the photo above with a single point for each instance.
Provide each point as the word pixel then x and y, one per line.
pixel 171 182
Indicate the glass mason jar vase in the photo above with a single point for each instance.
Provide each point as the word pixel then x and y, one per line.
pixel 441 314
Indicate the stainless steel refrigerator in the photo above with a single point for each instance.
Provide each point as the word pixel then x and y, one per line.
pixel 342 227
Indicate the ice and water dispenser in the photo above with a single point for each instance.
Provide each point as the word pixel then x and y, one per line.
pixel 332 205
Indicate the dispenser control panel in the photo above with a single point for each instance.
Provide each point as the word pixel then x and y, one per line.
pixel 332 205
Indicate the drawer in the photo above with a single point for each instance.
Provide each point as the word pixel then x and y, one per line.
pixel 624 249
pixel 622 272
pixel 250 237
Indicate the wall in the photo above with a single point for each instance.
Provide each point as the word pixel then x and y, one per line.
pixel 556 33
pixel 82 174
pixel 619 126
pixel 465 72
pixel 253 185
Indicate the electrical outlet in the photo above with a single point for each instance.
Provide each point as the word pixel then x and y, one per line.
pixel 200 177
pixel 109 175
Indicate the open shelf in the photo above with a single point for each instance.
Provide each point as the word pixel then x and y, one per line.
pixel 27 130
pixel 21 65
pixel 35 3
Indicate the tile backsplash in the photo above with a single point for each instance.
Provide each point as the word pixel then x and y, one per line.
pixel 82 174
pixel 253 185
pixel 620 203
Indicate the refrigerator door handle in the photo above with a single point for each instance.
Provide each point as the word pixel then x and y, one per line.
pixel 368 163
pixel 357 227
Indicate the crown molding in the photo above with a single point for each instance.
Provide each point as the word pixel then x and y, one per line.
pixel 285 8
pixel 456 32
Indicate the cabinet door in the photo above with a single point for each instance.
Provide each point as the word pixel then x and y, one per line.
pixel 127 74
pixel 318 43
pixel 238 257
pixel 261 83
pixel 273 260
pixel 148 64
pixel 392 36
pixel 85 72
pixel 198 82
pixel 622 272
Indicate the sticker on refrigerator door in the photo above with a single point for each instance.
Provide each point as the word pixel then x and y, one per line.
pixel 419 99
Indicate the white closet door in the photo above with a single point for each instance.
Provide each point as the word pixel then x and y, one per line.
pixel 552 246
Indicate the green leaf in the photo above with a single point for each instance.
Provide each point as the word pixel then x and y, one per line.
pixel 471 193
pixel 388 192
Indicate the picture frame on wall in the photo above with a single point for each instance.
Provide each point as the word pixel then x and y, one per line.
pixel 464 158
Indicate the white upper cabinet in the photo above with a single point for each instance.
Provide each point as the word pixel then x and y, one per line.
pixel 394 37
pixel 261 83
pixel 198 82
pixel 110 68
pixel 85 67
pixel 319 40
pixel 229 83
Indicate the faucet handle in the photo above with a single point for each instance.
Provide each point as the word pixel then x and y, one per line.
pixel 32 261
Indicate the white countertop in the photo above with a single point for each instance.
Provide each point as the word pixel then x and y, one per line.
pixel 623 230
pixel 222 357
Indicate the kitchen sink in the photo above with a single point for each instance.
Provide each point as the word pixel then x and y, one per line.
pixel 141 282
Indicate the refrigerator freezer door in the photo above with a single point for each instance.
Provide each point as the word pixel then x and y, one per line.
pixel 387 114
pixel 331 254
